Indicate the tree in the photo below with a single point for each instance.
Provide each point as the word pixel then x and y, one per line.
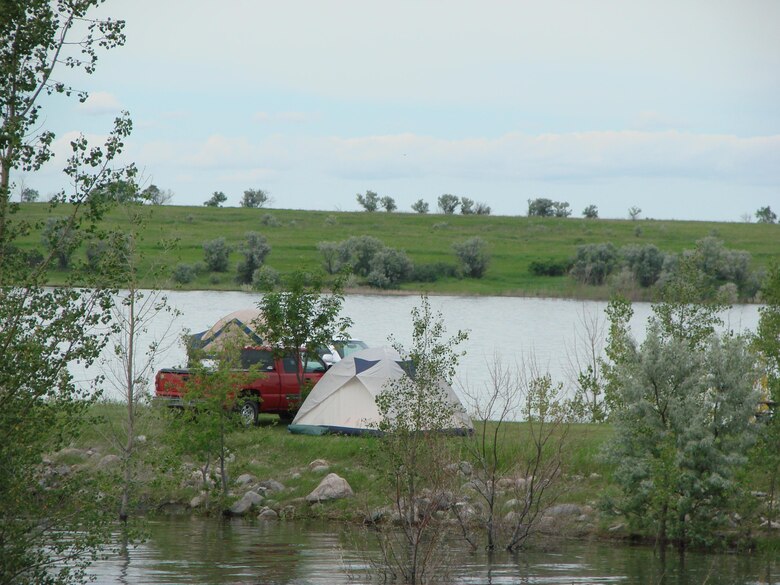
pixel 448 204
pixel 122 191
pixel 216 200
pixel 388 203
pixel 541 207
pixel 369 202
pixel 414 411
pixel 136 313
pixel 473 256
pixel 530 462
pixel 256 198
pixel 303 318
pixel 216 255
pixel 766 215
pixel 633 213
pixel 52 527
pixel 561 209
pixel 29 195
pixel 466 206
pixel 482 209
pixel 156 196
pixel 255 250
pixel 420 206
pixel 590 212
pixel 681 438
pixel 767 343
pixel 586 369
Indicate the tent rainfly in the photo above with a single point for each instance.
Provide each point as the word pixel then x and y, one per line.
pixel 343 401
pixel 238 324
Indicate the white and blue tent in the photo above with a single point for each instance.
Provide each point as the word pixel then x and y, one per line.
pixel 344 400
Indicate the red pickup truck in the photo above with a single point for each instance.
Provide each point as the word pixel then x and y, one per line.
pixel 275 392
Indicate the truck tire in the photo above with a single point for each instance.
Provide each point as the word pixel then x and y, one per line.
pixel 248 411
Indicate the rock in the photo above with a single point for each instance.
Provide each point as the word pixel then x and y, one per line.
pixel 267 514
pixel 594 476
pixel 772 525
pixel 108 461
pixel 466 468
pixel 173 508
pixel 141 439
pixel 617 528
pixel 272 485
pixel 295 475
pixel 245 504
pixel 245 478
pixel 60 469
pixel 71 453
pixel 321 469
pixel 564 510
pixel 318 463
pixel 332 487
pixel 511 504
pixel 198 500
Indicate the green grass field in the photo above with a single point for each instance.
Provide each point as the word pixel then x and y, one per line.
pixel 514 242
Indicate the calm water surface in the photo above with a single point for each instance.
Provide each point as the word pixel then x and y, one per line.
pixel 209 551
pixel 511 329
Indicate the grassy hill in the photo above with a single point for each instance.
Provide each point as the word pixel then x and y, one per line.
pixel 514 242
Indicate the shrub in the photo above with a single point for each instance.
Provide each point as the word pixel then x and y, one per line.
pixel 389 267
pixel 645 262
pixel 594 262
pixel 59 239
pixel 549 267
pixel 270 220
pixel 432 272
pixel 330 256
pixel 183 274
pixel 265 278
pixel 255 249
pixel 216 255
pixel 357 253
pixel 473 256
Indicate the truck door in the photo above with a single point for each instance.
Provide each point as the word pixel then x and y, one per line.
pixel 269 384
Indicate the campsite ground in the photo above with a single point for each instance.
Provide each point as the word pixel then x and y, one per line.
pixel 269 451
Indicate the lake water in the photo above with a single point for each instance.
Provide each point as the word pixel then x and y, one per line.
pixel 233 552
pixel 514 330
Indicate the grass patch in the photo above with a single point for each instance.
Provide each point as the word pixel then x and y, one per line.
pixel 514 242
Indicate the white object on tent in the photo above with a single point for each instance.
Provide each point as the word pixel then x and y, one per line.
pixel 238 324
pixel 344 400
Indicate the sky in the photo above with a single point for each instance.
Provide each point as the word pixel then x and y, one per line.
pixel 672 107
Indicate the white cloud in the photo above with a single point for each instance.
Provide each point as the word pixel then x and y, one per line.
pixel 100 102
pixel 582 156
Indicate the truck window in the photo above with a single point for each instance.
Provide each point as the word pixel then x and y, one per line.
pixel 314 365
pixel 290 364
pixel 256 357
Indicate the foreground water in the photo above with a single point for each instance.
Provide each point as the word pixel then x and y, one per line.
pixel 209 551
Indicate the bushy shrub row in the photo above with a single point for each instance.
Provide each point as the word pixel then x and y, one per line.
pixel 725 270
pixel 383 267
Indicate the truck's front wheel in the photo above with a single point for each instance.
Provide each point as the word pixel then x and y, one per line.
pixel 248 411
